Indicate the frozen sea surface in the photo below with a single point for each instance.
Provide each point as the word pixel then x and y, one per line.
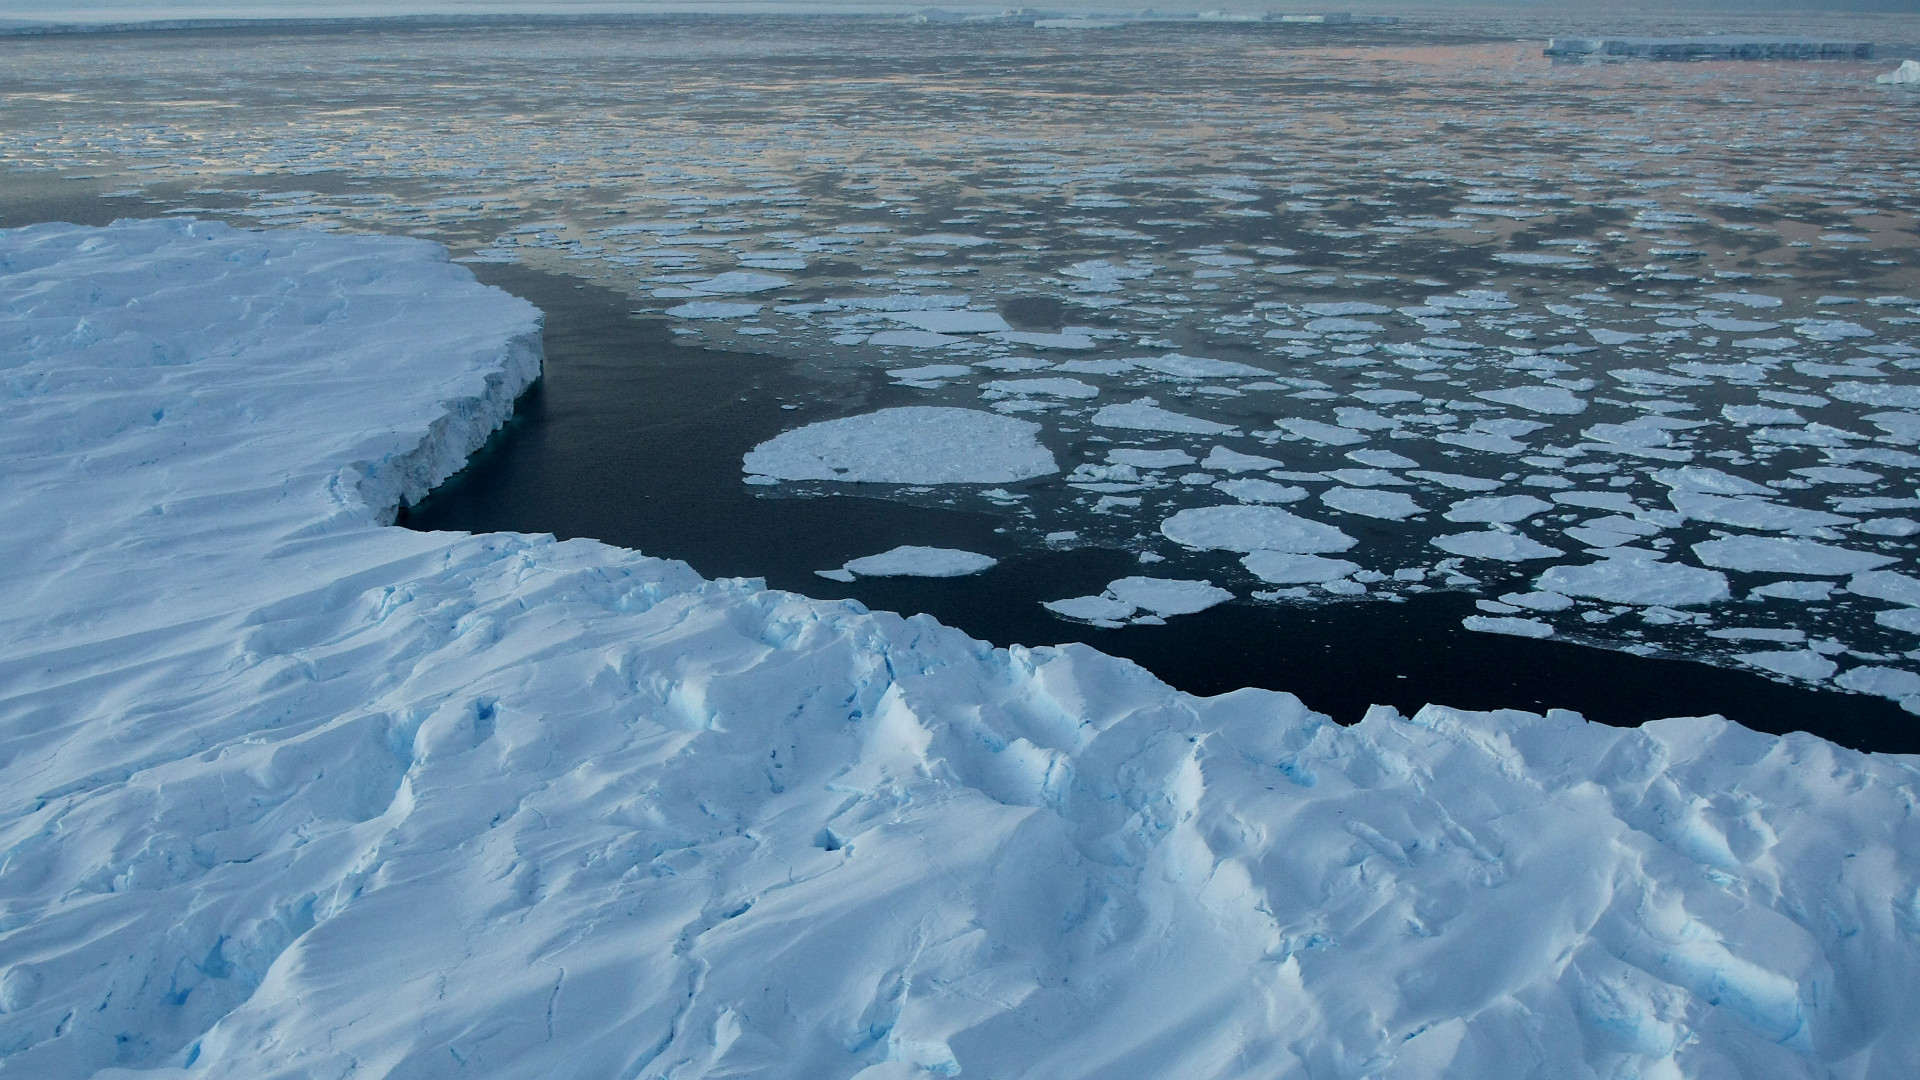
pixel 290 792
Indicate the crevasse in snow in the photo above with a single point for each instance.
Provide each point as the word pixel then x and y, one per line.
pixel 287 793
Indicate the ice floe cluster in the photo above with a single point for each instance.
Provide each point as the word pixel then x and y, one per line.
pixel 289 793
pixel 1631 355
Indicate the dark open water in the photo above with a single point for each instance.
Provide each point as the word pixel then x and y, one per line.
pixel 605 447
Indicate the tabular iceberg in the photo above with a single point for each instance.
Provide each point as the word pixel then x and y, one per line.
pixel 287 793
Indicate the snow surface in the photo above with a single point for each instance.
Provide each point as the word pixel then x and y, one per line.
pixel 291 794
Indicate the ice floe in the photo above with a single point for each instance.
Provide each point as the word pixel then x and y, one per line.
pixel 913 444
pixel 911 560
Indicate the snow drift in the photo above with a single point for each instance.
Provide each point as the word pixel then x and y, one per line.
pixel 287 793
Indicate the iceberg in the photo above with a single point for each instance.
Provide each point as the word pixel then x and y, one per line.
pixel 292 793
pixel 1907 74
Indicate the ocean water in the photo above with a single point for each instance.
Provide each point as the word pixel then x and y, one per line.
pixel 1664 314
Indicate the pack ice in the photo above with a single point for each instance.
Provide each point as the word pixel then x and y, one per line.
pixel 289 793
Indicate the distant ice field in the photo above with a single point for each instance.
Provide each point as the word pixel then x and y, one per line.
pixel 1623 354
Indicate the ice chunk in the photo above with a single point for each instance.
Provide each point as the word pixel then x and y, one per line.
pixel 1254 490
pixel 1146 414
pixel 1773 554
pixel 1094 609
pixel 1347 307
pixel 1880 681
pixel 1746 299
pixel 1795 590
pixel 1637 581
pixel 1319 432
pixel 1197 367
pixel 1517 627
pixel 1498 508
pixel 713 309
pixel 1344 326
pixel 1885 395
pixel 1222 459
pixel 1060 388
pixel 1150 459
pixel 1381 459
pixel 927 373
pixel 1168 596
pixel 1280 568
pixel 1552 400
pixel 729 283
pixel 1751 513
pixel 1495 544
pixel 1886 585
pixel 1794 663
pixel 1538 601
pixel 1713 481
pixel 1456 481
pixel 909 560
pixel 1370 502
pixel 1908 73
pixel 1252 528
pixel 953 321
pixel 915 444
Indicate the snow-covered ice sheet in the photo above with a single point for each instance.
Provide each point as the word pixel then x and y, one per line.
pixel 289 793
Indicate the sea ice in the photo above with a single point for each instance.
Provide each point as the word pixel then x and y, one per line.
pixel 1280 568
pixel 1779 555
pixel 1637 581
pixel 1551 400
pixel 1506 508
pixel 1794 663
pixel 1252 528
pixel 1371 502
pixel 1168 596
pixel 1495 544
pixel 909 560
pixel 914 444
pixel 1508 624
pixel 1146 414
pixel 953 321
pixel 713 309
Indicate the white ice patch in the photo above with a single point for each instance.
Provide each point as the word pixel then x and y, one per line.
pixel 1371 502
pixel 1504 509
pixel 1252 528
pixel 713 309
pixel 1779 555
pixel 1551 400
pixel 1146 414
pixel 909 560
pixel 730 283
pixel 915 444
pixel 1280 568
pixel 953 321
pixel 1510 625
pixel 1642 582
pixel 1495 544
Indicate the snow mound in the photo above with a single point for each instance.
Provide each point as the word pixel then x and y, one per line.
pixel 915 444
pixel 289 794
